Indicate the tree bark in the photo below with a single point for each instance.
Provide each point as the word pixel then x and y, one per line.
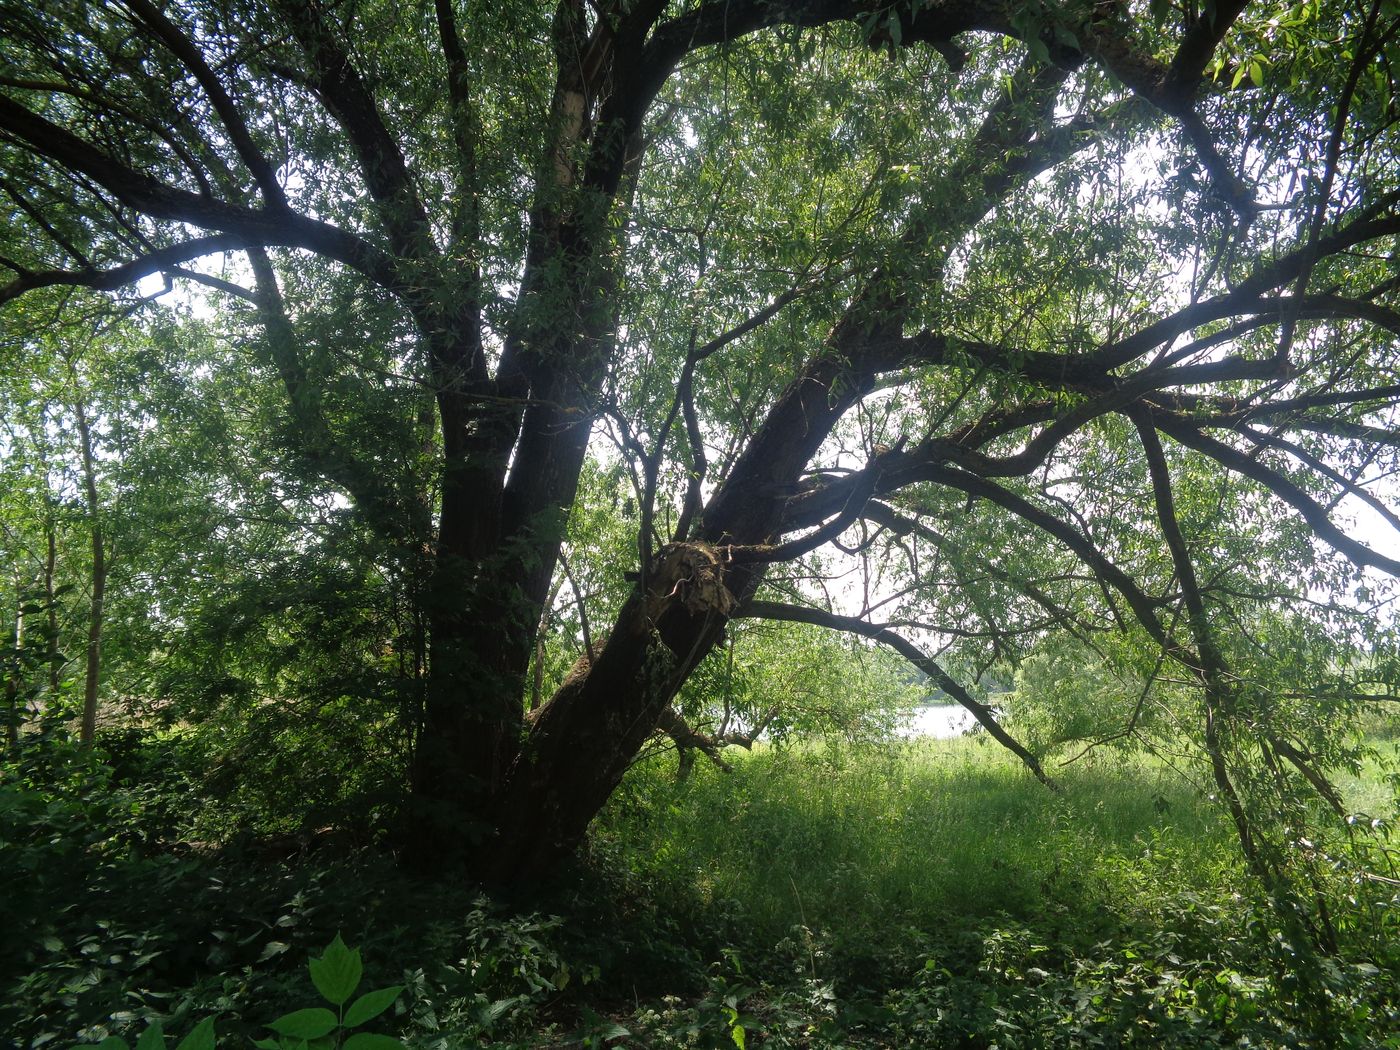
pixel 92 675
pixel 50 601
pixel 13 711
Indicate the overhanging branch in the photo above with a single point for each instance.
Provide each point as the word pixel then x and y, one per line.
pixel 911 652
pixel 112 278
pixel 1313 512
pixel 158 200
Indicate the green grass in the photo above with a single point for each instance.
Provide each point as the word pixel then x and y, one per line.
pixel 940 896
pixel 926 833
pixel 920 894
pixel 1371 790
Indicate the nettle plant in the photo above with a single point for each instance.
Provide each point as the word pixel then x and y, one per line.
pixel 336 975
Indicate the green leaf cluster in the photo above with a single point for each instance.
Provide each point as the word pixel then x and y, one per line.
pixel 336 975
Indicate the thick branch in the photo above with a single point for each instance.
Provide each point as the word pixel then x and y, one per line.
pixel 1245 297
pixel 861 491
pixel 184 49
pixel 1235 413
pixel 466 223
pixel 161 201
pixel 1347 485
pixel 115 277
pixel 382 163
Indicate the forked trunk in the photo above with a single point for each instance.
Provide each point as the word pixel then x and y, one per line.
pixel 582 741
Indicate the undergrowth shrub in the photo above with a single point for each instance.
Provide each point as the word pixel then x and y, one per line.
pixel 930 898
pixel 336 975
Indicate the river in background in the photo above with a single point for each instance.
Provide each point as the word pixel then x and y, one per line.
pixel 936 720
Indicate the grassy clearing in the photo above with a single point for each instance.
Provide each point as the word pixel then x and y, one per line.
pixel 935 894
pixel 1373 788
pixel 925 834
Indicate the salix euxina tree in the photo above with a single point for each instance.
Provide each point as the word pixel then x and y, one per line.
pixel 733 234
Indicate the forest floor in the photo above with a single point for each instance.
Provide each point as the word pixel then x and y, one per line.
pixel 925 894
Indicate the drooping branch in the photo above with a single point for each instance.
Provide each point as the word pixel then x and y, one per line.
pixel 899 523
pixel 1306 765
pixel 100 549
pixel 985 716
pixel 36 214
pixel 925 464
pixel 1312 512
pixel 305 403
pixel 1347 485
pixel 1214 677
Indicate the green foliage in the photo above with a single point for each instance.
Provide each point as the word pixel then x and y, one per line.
pixel 92 858
pixel 153 1038
pixel 927 894
pixel 336 975
pixel 815 684
pixel 92 854
pixel 1107 917
pixel 1065 693
pixel 1154 992
pixel 77 829
pixel 273 488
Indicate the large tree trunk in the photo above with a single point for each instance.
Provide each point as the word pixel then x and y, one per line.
pixel 502 526
pixel 525 804
pixel 582 741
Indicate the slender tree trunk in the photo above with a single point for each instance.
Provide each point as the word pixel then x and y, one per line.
pixel 12 715
pixel 541 629
pixel 50 565
pixel 12 702
pixel 99 576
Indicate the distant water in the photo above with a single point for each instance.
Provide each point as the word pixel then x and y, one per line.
pixel 943 720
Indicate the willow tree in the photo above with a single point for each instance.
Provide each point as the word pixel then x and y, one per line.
pixel 1082 313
